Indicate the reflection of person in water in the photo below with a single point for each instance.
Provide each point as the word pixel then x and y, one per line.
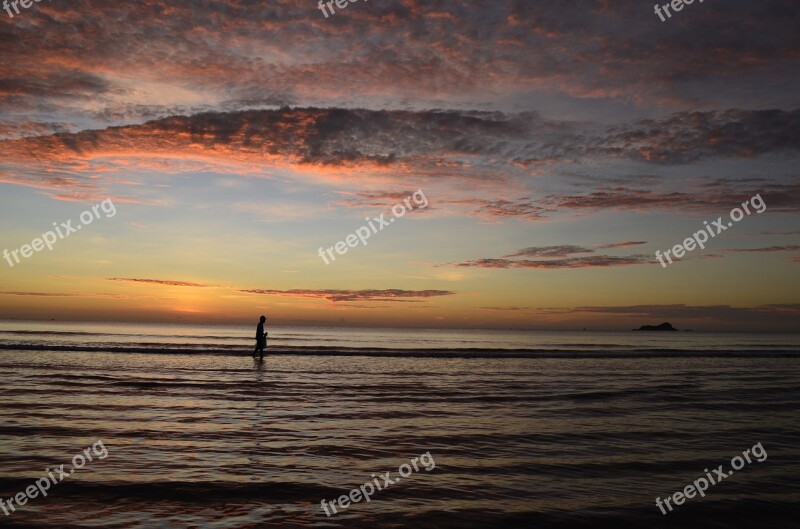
pixel 261 338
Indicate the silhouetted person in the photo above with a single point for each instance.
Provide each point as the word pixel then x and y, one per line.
pixel 261 338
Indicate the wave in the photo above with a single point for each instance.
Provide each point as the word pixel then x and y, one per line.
pixel 181 490
pixel 411 352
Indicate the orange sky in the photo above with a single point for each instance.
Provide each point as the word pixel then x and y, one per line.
pixel 556 152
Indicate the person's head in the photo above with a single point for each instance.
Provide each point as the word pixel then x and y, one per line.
pixel 263 319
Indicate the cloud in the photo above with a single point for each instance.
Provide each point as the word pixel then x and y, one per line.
pixel 549 251
pixel 392 295
pixel 343 137
pixel 625 244
pixel 385 295
pixel 522 208
pixel 561 256
pixel 160 282
pixel 333 136
pixel 687 137
pixel 785 248
pixel 22 127
pixel 379 144
pixel 236 54
pixel 721 197
pixel 595 261
pixel 362 199
pixel 392 146
pixel 510 309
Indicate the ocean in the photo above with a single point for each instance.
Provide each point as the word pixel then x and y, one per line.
pixel 518 428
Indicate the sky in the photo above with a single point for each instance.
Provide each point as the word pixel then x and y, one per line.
pixel 540 152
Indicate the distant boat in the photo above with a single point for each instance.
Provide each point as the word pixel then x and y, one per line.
pixel 663 327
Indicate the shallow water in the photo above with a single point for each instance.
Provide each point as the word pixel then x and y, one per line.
pixel 225 442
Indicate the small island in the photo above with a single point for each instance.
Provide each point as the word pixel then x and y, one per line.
pixel 663 327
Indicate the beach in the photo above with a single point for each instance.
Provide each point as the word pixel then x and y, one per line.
pixel 215 439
